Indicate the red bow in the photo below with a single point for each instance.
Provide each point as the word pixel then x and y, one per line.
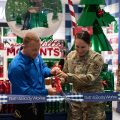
pixel 100 12
pixel 56 82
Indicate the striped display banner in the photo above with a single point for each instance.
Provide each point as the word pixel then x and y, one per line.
pixel 79 97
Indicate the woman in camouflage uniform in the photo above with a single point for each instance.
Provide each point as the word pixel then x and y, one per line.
pixel 82 68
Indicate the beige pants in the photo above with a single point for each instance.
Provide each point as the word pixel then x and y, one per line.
pixel 86 111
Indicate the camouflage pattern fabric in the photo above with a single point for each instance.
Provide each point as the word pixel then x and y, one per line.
pixel 84 73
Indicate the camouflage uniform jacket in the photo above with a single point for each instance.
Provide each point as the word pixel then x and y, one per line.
pixel 84 71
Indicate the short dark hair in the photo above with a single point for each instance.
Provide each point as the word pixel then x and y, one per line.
pixel 84 35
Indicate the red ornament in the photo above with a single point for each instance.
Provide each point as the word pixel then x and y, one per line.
pixel 100 12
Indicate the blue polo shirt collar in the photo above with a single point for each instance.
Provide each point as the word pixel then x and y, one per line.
pixel 26 58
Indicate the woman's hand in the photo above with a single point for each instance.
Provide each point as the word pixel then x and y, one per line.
pixel 55 70
pixel 62 80
pixel 62 75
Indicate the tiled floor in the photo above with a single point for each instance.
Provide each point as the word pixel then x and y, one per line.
pixel 116 116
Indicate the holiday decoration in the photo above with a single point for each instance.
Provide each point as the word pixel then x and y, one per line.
pixel 96 17
pixel 5 88
pixel 40 16
pixel 74 25
pixel 99 40
pixel 56 83
pixel 107 78
pixel 116 29
pixel 19 40
pixel 72 13
pixel 55 15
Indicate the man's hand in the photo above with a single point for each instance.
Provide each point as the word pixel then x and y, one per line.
pixel 52 91
pixel 55 70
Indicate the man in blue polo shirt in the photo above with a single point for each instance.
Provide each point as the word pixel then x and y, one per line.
pixel 26 73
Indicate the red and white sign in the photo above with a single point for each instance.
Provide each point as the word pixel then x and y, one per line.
pixel 52 49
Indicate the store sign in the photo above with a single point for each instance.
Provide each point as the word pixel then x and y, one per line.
pixel 51 49
pixel 11 52
pixel 11 46
pixel 48 50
